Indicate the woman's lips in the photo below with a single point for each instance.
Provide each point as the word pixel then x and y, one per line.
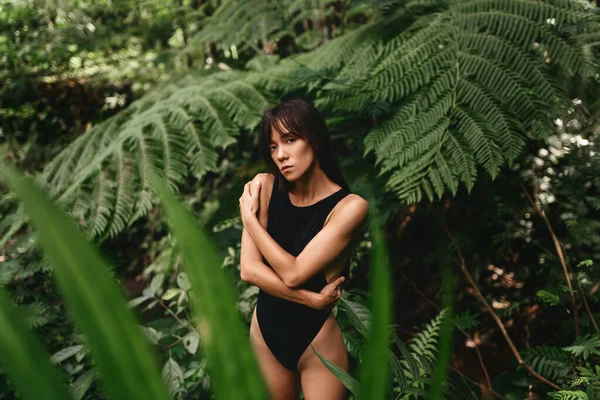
pixel 285 168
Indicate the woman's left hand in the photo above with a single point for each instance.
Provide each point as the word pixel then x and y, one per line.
pixel 250 202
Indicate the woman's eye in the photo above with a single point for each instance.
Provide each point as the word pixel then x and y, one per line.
pixel 273 147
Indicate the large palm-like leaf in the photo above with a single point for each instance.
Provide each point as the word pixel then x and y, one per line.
pixel 470 82
pixel 102 177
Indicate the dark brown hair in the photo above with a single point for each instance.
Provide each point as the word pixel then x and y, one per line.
pixel 301 119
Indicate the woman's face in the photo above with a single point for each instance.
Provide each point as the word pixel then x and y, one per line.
pixel 292 152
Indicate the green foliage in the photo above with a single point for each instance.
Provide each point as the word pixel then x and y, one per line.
pixel 411 371
pixel 229 355
pixel 466 320
pixel 373 375
pixel 23 357
pixel 569 395
pixel 549 361
pixel 103 175
pixel 431 118
pixel 469 86
pixel 238 25
pixel 585 346
pixel 462 85
pixel 551 299
pixel 425 343
pixel 95 300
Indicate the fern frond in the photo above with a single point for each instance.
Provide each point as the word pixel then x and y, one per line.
pixel 495 57
pixel 585 345
pixel 425 343
pixel 175 130
pixel 549 361
pixel 568 395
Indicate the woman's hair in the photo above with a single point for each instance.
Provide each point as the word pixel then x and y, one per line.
pixel 301 119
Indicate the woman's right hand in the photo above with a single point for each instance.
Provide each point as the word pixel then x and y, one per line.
pixel 329 295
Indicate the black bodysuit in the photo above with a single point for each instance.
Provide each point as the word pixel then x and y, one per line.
pixel 287 327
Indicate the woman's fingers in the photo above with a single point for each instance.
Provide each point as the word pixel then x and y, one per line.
pixel 339 281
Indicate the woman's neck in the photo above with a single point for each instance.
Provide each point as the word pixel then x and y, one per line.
pixel 312 186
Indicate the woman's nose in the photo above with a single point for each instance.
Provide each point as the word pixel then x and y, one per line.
pixel 281 155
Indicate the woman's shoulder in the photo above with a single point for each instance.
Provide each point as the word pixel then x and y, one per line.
pixel 265 178
pixel 354 202
pixel 266 186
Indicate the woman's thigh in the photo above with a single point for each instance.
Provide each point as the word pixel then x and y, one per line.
pixel 316 379
pixel 281 383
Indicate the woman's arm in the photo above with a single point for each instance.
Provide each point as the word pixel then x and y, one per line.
pixel 255 272
pixel 320 251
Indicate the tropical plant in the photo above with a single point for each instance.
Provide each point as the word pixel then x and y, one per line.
pixel 455 83
pixel 123 360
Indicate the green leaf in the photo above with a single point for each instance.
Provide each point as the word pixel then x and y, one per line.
pixel 547 297
pixel 344 377
pixel 438 386
pixel 152 334
pixel 123 360
pixel 359 316
pixel 65 353
pixel 585 345
pixel 23 357
pixel 190 341
pixel 183 281
pixel 170 293
pixel 172 375
pixel 82 384
pixel 234 371
pixel 466 321
pixel 585 263
pixel 373 373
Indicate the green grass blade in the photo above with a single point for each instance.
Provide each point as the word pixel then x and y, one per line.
pixel 374 372
pixel 436 390
pixel 233 368
pixel 344 377
pixel 24 359
pixel 98 305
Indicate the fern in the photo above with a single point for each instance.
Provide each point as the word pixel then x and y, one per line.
pixel 35 314
pixel 244 23
pixel 425 343
pixel 569 395
pixel 423 348
pixel 582 385
pixel 469 88
pixel 466 320
pixel 176 130
pixel 549 361
pixel 549 298
pixel 460 82
pixel 412 370
pixel 585 345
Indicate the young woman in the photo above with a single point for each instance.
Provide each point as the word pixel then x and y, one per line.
pixel 300 225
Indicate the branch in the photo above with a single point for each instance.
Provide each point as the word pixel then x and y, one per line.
pixel 467 335
pixel 561 258
pixel 482 299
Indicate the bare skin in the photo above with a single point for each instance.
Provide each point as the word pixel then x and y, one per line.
pixel 311 185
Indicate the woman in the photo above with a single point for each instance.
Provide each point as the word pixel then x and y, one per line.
pixel 296 250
